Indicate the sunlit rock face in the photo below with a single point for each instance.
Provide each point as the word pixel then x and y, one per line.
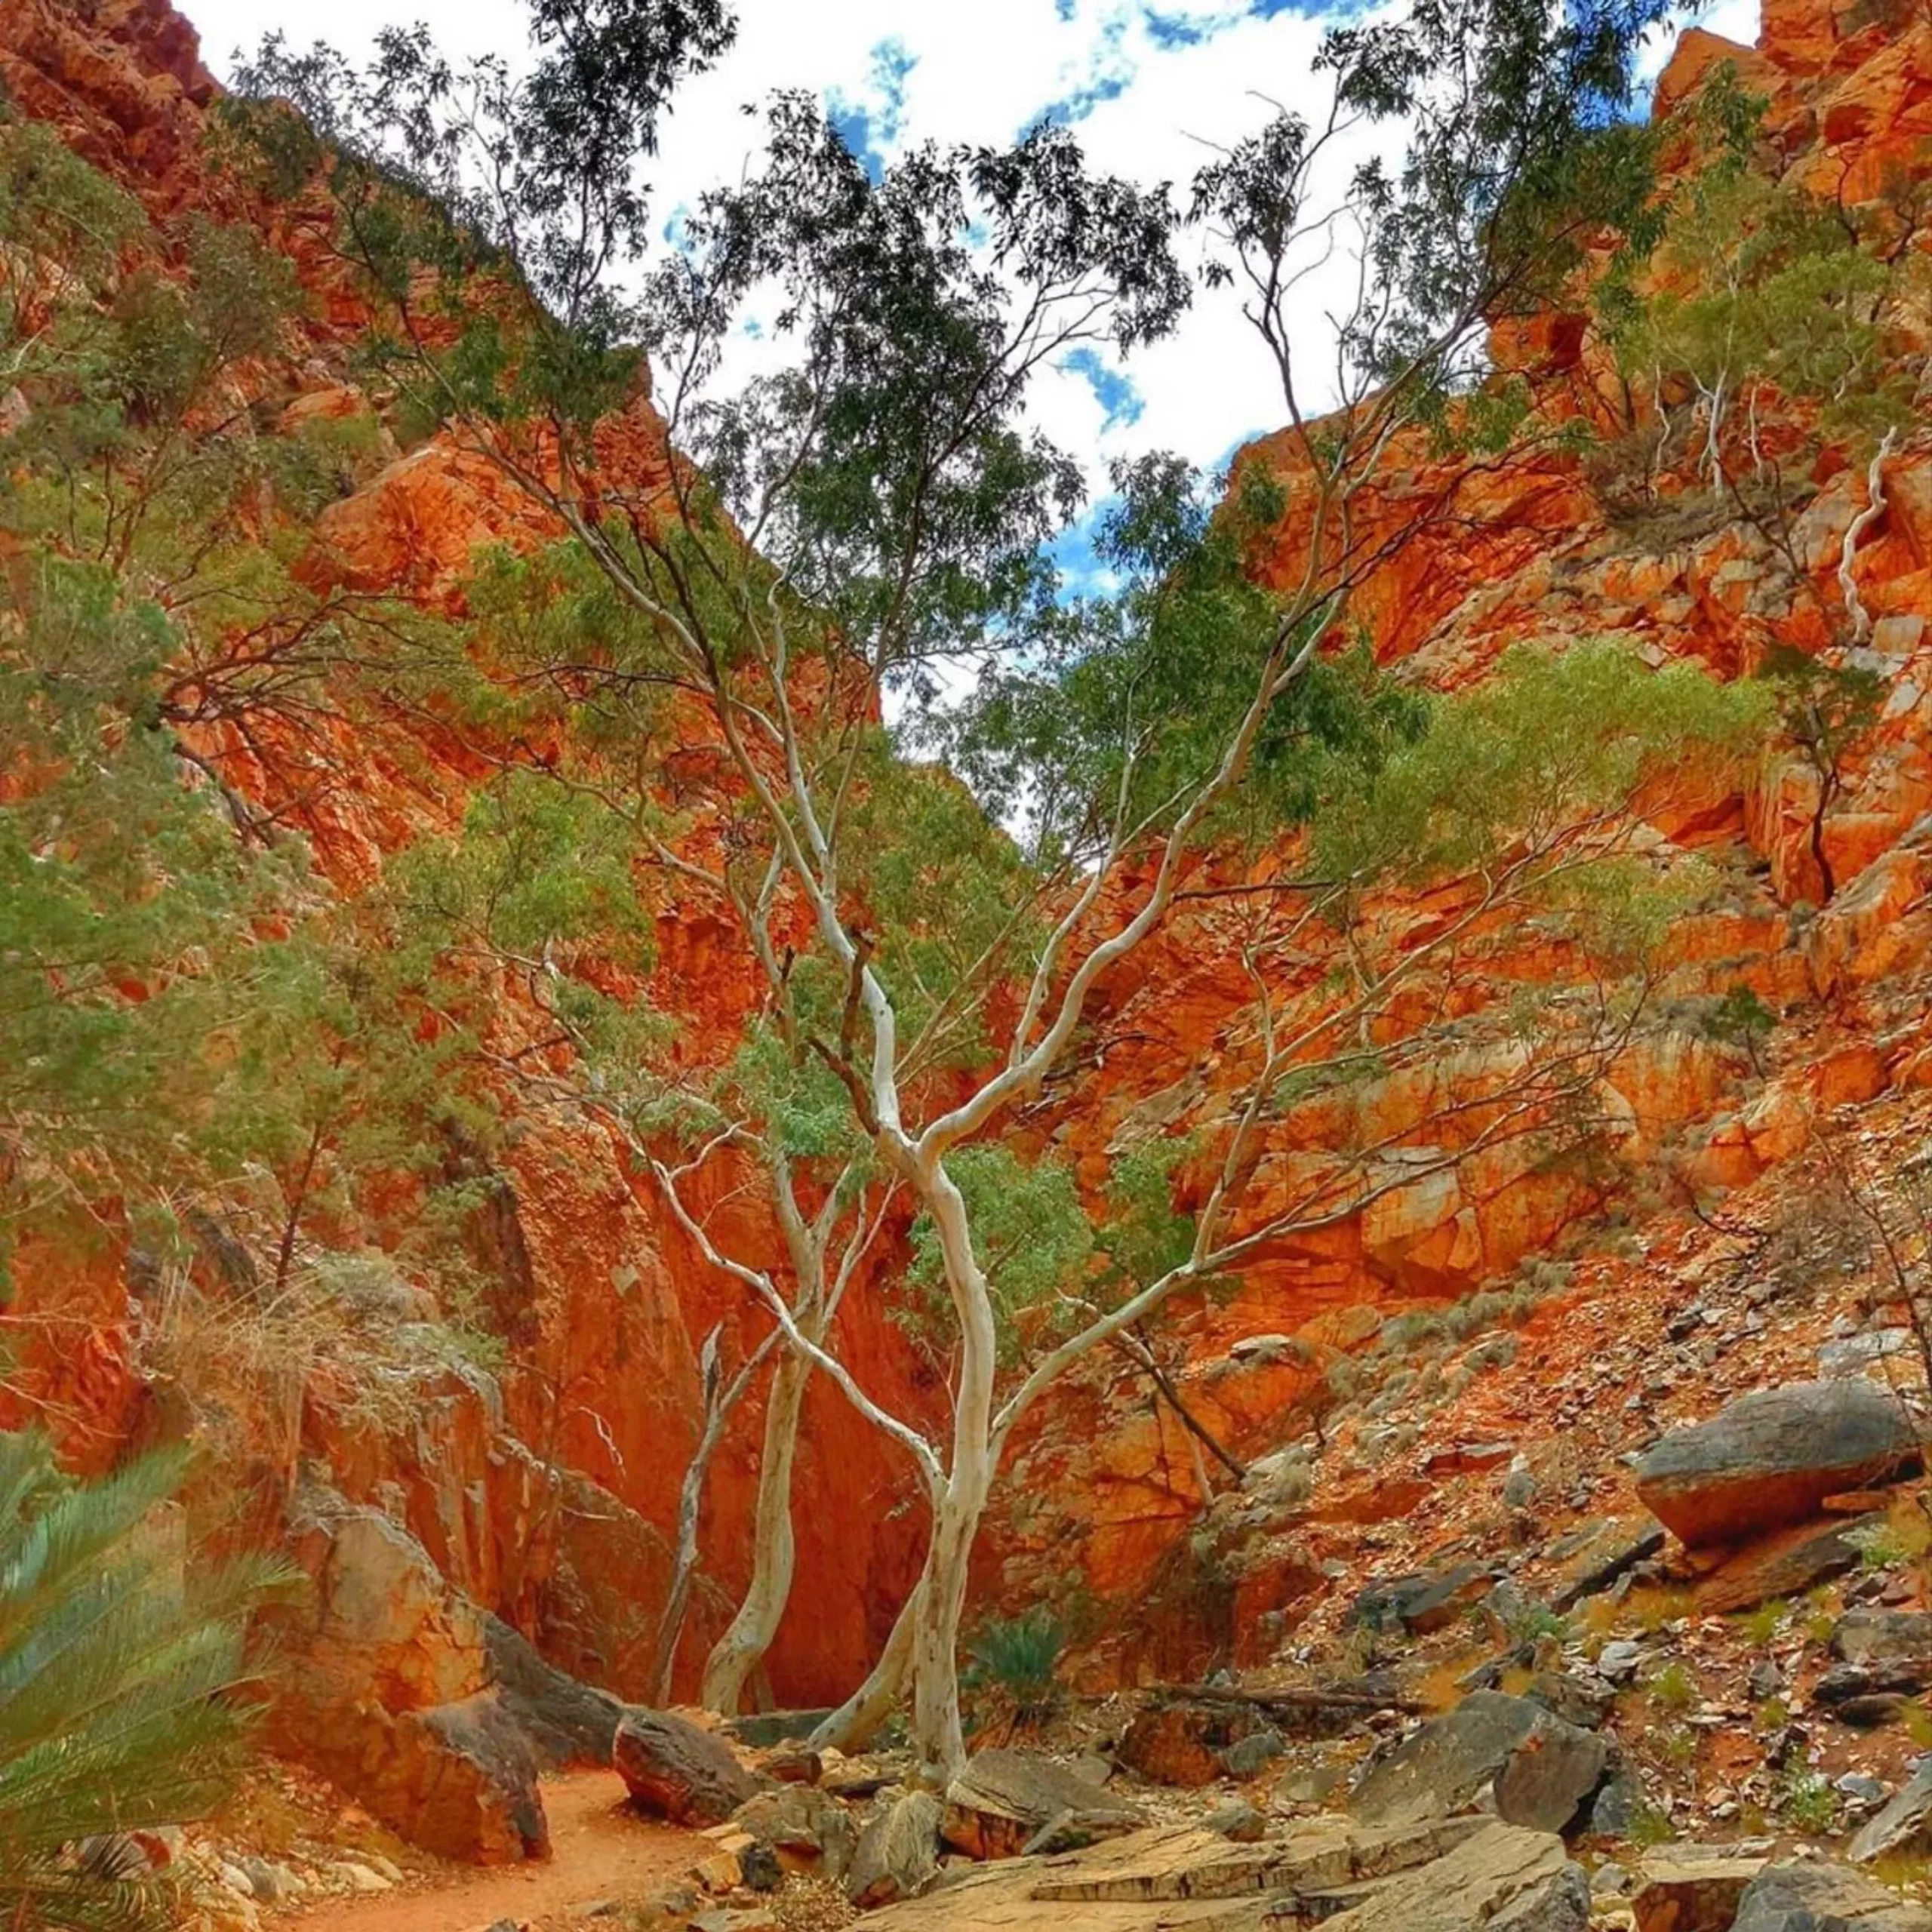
pixel 548 1492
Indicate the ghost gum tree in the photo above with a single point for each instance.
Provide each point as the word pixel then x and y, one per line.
pixel 868 515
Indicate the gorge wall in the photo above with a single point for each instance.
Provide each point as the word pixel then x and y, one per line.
pixel 548 1493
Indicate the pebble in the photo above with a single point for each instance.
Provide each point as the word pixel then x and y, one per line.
pixel 1618 1660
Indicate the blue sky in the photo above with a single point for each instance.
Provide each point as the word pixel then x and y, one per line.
pixel 1150 87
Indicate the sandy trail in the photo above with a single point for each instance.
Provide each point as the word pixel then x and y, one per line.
pixel 598 1850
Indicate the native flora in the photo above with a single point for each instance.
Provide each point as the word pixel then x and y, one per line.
pixel 611 1293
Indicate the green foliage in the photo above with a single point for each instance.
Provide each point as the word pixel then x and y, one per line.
pixel 1809 1803
pixel 1741 1018
pixel 1762 289
pixel 1674 1687
pixel 122 1686
pixel 1525 770
pixel 1146 686
pixel 1760 1626
pixel 1017 1659
pixel 1033 1238
pixel 1650 1826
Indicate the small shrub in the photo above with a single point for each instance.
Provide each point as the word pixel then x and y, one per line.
pixel 1403 1332
pixel 1774 1714
pixel 1498 1351
pixel 1649 1826
pixel 1810 1804
pixel 1674 1688
pixel 1016 1659
pixel 1760 1626
pixel 1881 1547
pixel 1680 1746
pixel 1475 1312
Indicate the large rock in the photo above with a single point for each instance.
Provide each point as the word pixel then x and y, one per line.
pixel 567 1722
pixel 676 1771
pixel 1771 1458
pixel 1880 1653
pixel 1823 1898
pixel 1786 1563
pixel 1535 1769
pixel 389 1691
pixel 898 1856
pixel 1503 1879
pixel 1904 1823
pixel 1004 1799
pixel 1686 1890
pixel 809 1831
pixel 472 1792
pixel 1423 1602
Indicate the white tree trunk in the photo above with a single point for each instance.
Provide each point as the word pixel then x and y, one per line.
pixel 856 1721
pixel 742 1647
pixel 939 1739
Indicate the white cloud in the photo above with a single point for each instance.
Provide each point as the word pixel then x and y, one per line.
pixel 1154 85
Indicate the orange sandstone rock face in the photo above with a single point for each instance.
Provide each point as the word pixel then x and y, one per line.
pixel 552 1496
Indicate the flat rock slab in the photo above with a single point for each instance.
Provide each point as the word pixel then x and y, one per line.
pixel 676 1771
pixel 1865 1635
pixel 1503 1878
pixel 1181 1876
pixel 1678 1892
pixel 1786 1563
pixel 1824 1898
pixel 1905 1824
pixel 1771 1458
pixel 1003 1798
pixel 1538 1768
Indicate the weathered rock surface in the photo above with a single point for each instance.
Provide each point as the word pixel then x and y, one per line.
pixel 810 1831
pixel 1592 1557
pixel 897 1855
pixel 1786 1563
pixel 674 1770
pixel 390 1693
pixel 1679 1890
pixel 1003 1799
pixel 566 1722
pixel 1807 1897
pixel 1536 1769
pixel 1771 1458
pixel 1504 1879
pixel 1904 1824
pixel 1880 1653
pixel 1424 1603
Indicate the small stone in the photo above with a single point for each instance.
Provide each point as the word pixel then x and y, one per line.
pixel 1619 1658
pixel 1238 1820
pixel 1255 1752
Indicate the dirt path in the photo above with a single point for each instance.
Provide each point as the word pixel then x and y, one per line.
pixel 597 1850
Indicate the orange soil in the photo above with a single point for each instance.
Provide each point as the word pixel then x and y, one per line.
pixel 599 1849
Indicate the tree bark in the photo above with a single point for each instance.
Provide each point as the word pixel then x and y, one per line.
pixel 739 1651
pixel 857 1721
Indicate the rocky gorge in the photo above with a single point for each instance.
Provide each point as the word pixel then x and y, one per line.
pixel 1559 1554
